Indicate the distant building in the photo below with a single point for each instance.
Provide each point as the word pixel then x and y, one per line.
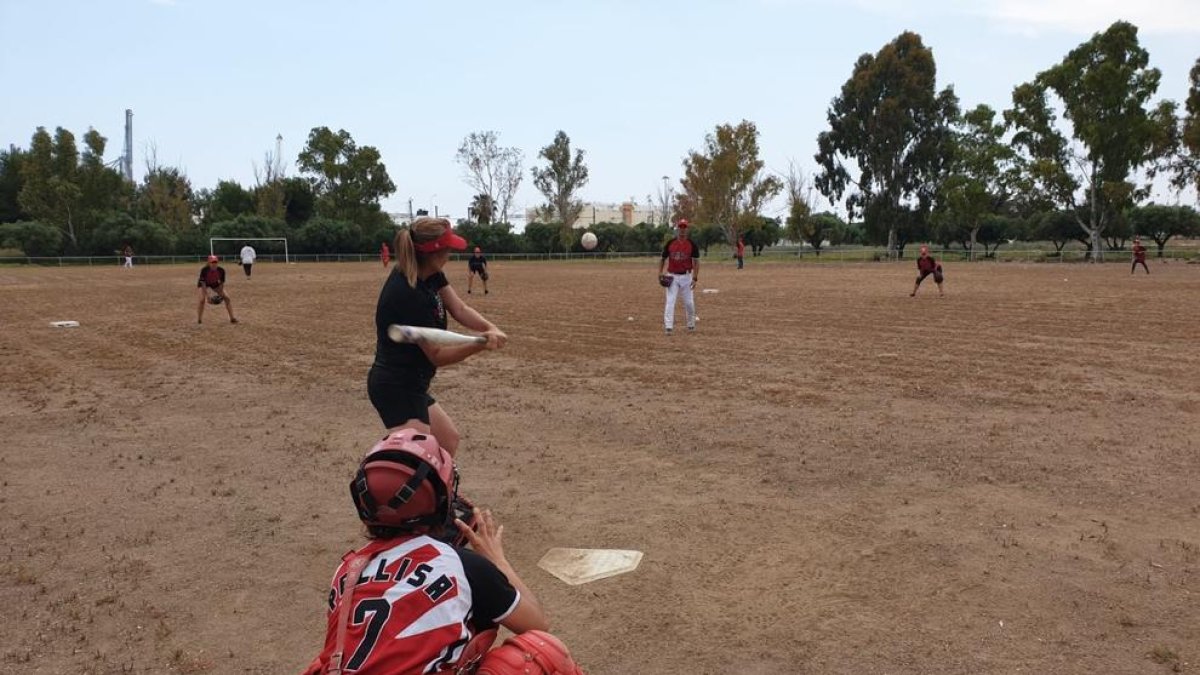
pixel 628 213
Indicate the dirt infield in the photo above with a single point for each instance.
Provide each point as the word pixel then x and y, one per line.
pixel 829 477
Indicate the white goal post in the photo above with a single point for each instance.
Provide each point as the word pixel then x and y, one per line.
pixel 211 240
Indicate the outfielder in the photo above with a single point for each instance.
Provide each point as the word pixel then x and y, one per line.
pixel 1139 256
pixel 926 265
pixel 408 603
pixel 681 258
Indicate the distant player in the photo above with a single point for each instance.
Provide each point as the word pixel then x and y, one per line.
pixel 926 265
pixel 417 293
pixel 741 251
pixel 681 258
pixel 211 288
pixel 1139 256
pixel 408 603
pixel 248 256
pixel 128 253
pixel 385 254
pixel 477 264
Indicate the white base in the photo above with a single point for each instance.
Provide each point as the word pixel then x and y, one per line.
pixel 576 566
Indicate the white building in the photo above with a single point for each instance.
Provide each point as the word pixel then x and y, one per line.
pixel 628 213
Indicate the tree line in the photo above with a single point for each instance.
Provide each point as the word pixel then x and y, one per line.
pixel 1072 159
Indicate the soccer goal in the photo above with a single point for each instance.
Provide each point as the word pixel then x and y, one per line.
pixel 213 240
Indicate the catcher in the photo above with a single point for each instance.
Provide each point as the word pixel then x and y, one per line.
pixel 409 603
pixel 210 288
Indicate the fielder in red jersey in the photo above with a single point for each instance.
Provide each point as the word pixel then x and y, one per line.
pixel 385 254
pixel 926 265
pixel 1139 257
pixel 212 281
pixel 409 603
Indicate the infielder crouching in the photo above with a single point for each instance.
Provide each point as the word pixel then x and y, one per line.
pixel 681 258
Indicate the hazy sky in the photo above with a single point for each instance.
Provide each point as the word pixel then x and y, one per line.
pixel 635 84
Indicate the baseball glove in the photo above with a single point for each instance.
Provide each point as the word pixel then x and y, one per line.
pixel 665 280
pixel 215 299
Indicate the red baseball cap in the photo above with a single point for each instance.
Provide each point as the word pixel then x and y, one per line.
pixel 213 258
pixel 447 240
pixel 682 224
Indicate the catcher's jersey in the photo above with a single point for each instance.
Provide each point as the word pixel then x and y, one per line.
pixel 415 606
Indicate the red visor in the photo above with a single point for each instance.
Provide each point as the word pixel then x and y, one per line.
pixel 447 240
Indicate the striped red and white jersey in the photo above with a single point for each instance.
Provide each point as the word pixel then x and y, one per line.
pixel 415 605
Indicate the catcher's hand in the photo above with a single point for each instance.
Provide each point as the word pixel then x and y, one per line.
pixel 665 280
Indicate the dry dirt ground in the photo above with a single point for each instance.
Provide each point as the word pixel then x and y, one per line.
pixel 829 477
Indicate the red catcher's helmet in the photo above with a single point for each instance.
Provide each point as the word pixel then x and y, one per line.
pixel 682 223
pixel 531 653
pixel 407 481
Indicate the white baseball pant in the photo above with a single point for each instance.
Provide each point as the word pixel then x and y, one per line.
pixel 681 284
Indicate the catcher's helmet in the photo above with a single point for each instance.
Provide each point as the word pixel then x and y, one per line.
pixel 531 653
pixel 215 299
pixel 407 481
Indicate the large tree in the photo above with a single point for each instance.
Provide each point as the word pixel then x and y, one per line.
pixel 491 169
pixel 11 182
pixel 1162 223
pixel 981 178
pixel 561 179
pixel 725 185
pixel 891 121
pixel 1103 88
pixel 50 193
pixel 1187 166
pixel 348 181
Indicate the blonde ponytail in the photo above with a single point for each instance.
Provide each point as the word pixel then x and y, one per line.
pixel 406 256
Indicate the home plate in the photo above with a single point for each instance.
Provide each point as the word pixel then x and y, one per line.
pixel 65 324
pixel 580 565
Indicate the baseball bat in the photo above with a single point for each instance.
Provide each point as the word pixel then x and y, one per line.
pixel 415 334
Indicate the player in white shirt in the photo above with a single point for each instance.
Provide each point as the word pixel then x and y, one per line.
pixel 248 255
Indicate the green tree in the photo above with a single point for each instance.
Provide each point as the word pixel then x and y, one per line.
pixel 561 179
pixel 482 209
pixel 1103 87
pixel 145 236
pixel 844 233
pixel 542 237
pixel 1162 223
pixel 348 181
pixel 724 185
pixel 299 202
pixel 11 183
pixel 33 238
pixel 1187 164
pixel 225 202
pixel 104 191
pixel 49 192
pixel 165 196
pixel 492 238
pixel 818 228
pixel 981 176
pixel 892 122
pixel 323 235
pixel 763 233
pixel 1056 227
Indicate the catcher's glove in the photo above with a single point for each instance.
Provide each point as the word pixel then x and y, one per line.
pixel 215 299
pixel 665 280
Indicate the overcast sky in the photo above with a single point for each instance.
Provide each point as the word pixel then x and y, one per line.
pixel 635 84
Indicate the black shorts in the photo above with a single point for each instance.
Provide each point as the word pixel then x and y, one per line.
pixel 398 398
pixel 937 276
